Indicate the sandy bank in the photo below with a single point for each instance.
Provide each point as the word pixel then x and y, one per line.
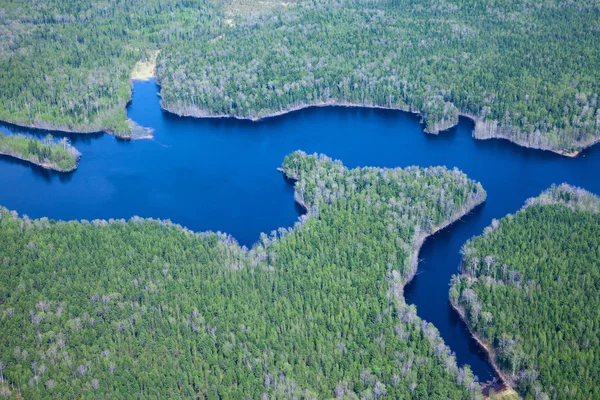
pixel 144 70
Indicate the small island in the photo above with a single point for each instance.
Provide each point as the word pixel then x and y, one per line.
pixel 528 292
pixel 48 154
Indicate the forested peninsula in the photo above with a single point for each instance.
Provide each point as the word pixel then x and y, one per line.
pixel 529 293
pixel 149 309
pixel 48 154
pixel 527 71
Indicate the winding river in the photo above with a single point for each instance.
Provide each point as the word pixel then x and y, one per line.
pixel 221 175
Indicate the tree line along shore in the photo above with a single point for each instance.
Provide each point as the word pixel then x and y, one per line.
pixel 147 308
pixel 490 62
pixel 150 307
pixel 528 293
pixel 59 156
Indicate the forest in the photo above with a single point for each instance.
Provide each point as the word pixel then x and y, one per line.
pixel 525 70
pixel 529 288
pixel 59 156
pixel 146 308
pixel 492 61
pixel 66 65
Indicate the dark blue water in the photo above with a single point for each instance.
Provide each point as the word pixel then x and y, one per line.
pixel 221 175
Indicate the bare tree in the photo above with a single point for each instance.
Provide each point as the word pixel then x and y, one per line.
pixel 489 262
pixel 379 390
pixel 474 265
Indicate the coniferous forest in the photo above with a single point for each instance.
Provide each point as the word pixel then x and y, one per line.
pixel 524 70
pixel 147 309
pixel 529 288
pixel 66 65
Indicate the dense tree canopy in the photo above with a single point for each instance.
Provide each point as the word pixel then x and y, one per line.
pixel 143 308
pixel 66 65
pixel 530 288
pixel 47 153
pixel 524 70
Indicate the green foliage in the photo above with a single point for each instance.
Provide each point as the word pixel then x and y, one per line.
pixel 530 288
pixel 66 64
pixel 145 309
pixel 48 154
pixel 529 69
pixel 526 70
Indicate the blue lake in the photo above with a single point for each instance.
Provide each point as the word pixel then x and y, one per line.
pixel 221 175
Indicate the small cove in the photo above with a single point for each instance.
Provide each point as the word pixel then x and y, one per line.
pixel 221 175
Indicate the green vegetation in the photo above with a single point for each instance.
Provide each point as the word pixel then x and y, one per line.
pixel 528 71
pixel 525 70
pixel 138 132
pixel 235 8
pixel 530 289
pixel 147 309
pixel 66 65
pixel 47 154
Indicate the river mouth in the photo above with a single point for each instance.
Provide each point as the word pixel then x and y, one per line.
pixel 221 175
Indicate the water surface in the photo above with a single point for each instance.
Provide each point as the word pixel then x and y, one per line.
pixel 221 175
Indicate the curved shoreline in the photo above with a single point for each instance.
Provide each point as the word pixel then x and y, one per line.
pixel 420 241
pixel 417 244
pixel 482 130
pixel 196 112
pixel 479 131
pixel 489 352
pixel 47 166
pixel 484 344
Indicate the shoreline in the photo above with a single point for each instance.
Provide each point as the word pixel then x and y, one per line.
pixel 476 133
pixel 488 349
pixel 521 143
pixel 202 113
pixel 49 127
pixel 420 241
pixel 481 131
pixel 45 166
